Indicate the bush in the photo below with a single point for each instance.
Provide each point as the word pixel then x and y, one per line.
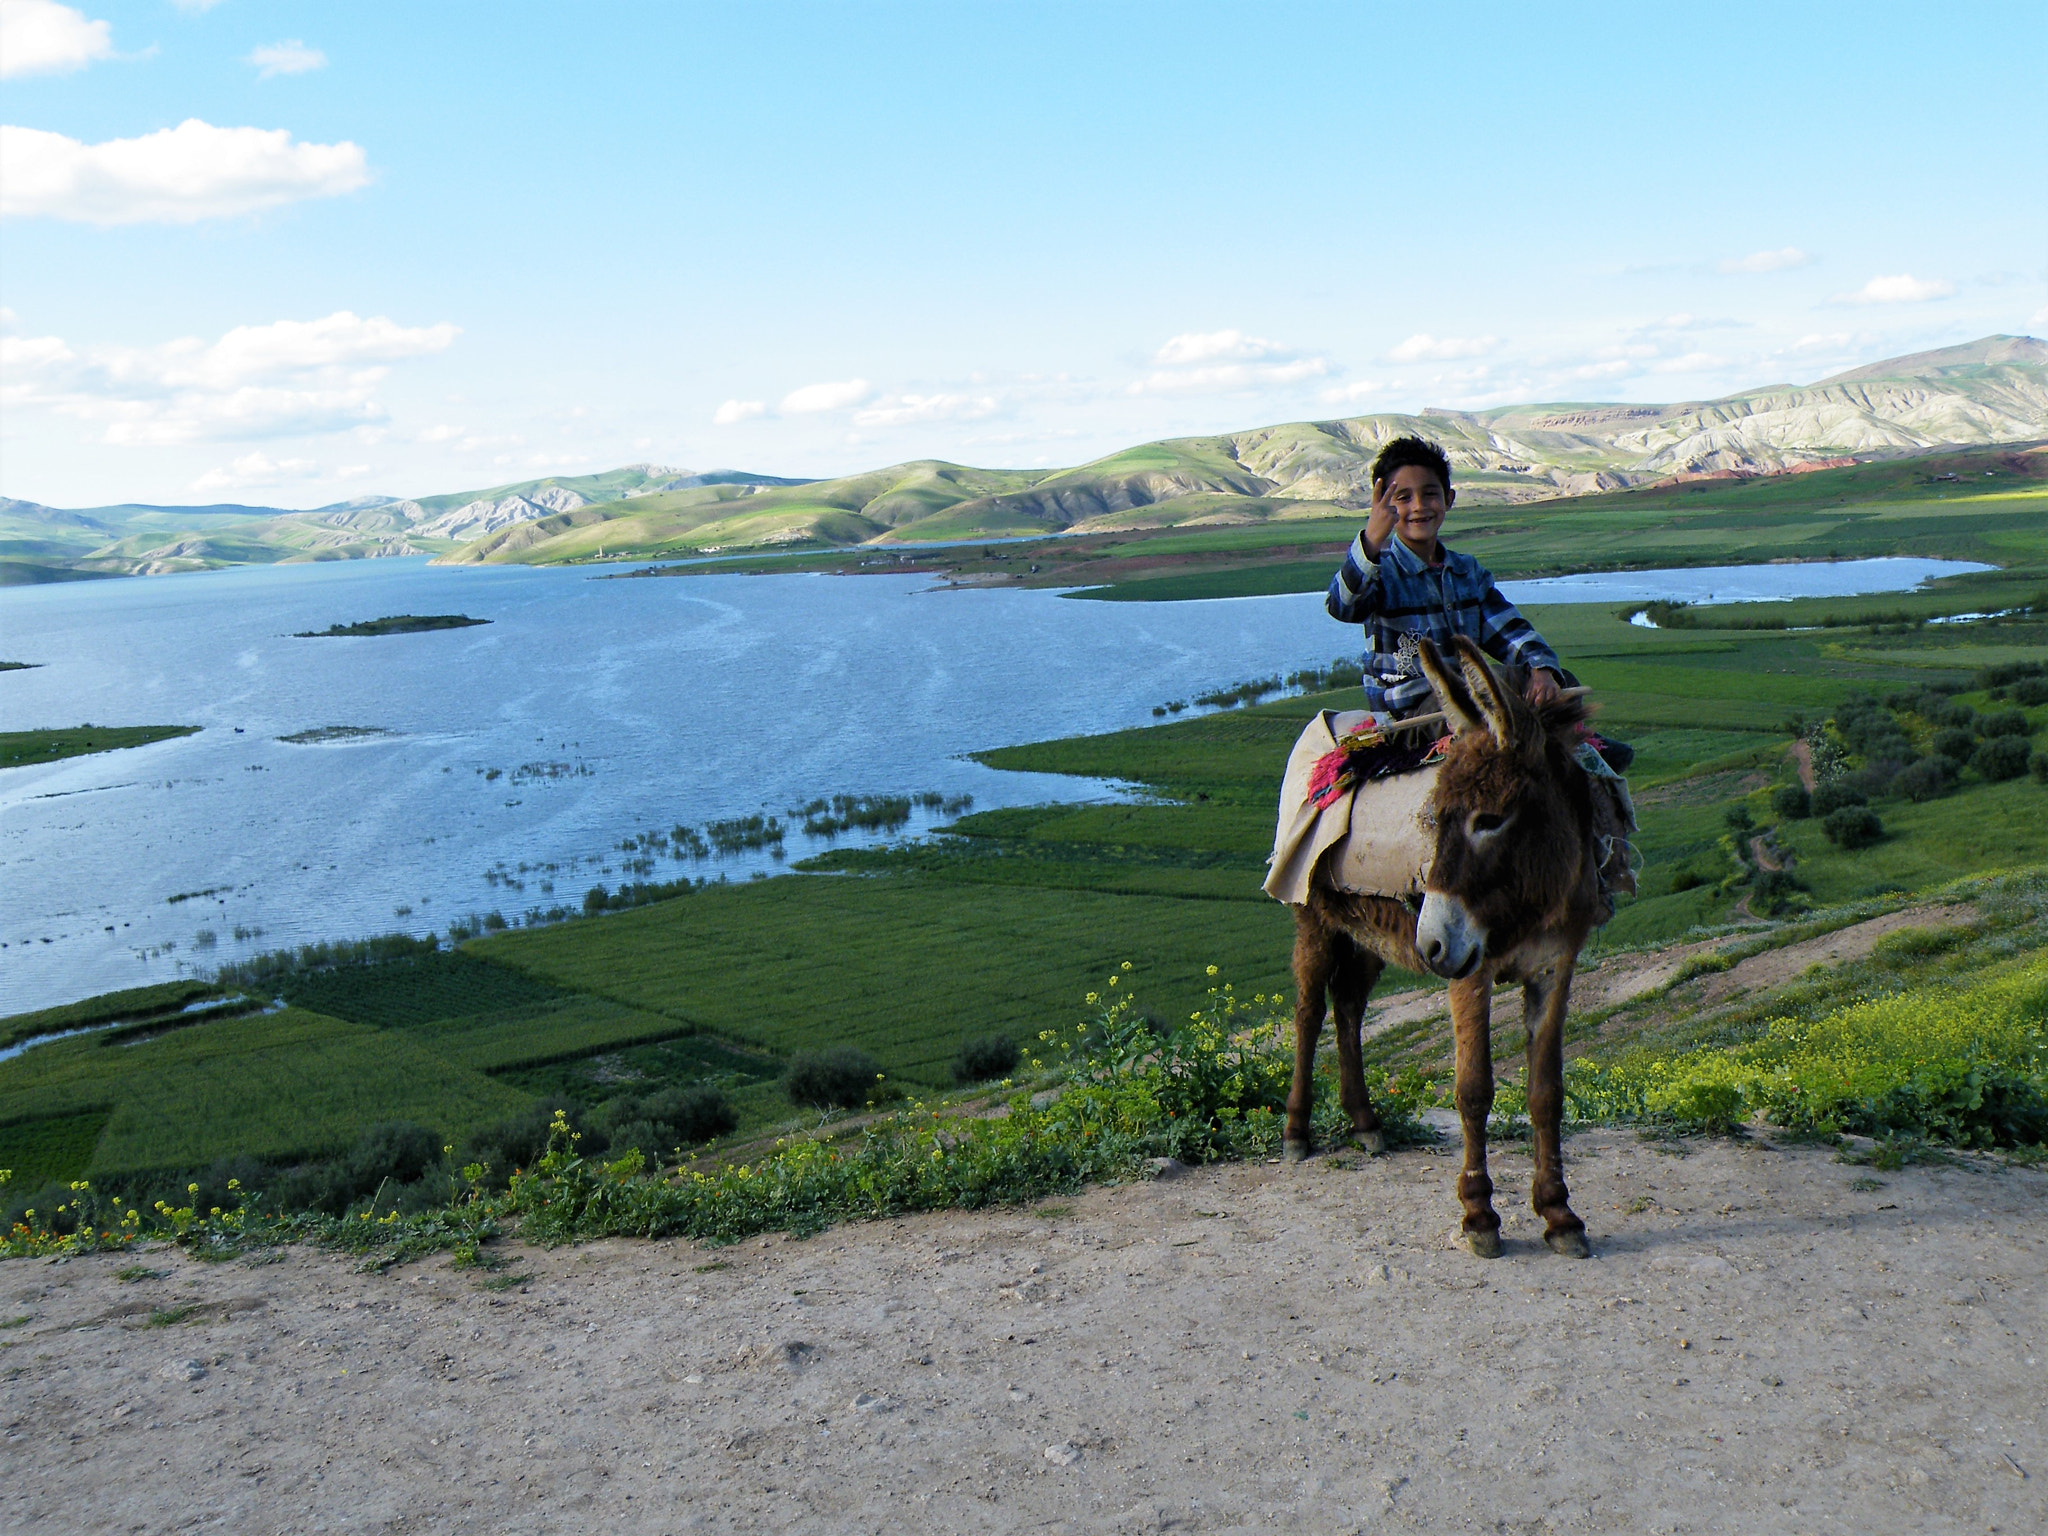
pixel 1875 778
pixel 2001 758
pixel 1852 827
pixel 1834 794
pixel 1772 890
pixel 2006 723
pixel 1956 744
pixel 2037 765
pixel 1928 779
pixel 1792 802
pixel 841 1078
pixel 2030 691
pixel 1950 712
pixel 1738 818
pixel 983 1057
pixel 1687 879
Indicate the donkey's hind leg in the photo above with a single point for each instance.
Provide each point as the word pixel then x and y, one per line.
pixel 1356 972
pixel 1317 946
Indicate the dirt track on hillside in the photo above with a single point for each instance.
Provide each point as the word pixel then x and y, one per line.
pixel 1757 1345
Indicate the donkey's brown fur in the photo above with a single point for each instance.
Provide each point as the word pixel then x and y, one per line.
pixel 1511 896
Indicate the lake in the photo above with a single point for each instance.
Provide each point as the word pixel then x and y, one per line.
pixel 605 707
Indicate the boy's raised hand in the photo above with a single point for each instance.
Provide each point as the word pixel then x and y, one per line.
pixel 1379 524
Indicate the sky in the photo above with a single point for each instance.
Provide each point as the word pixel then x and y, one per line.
pixel 288 254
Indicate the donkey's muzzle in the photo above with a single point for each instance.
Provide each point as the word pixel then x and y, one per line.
pixel 1450 943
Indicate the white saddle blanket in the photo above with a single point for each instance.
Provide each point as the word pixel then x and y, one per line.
pixel 1380 830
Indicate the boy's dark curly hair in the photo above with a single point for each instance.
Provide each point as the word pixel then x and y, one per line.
pixel 1419 451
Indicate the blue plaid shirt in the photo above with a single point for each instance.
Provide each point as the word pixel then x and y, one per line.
pixel 1399 598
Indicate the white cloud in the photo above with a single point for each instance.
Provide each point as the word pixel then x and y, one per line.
pixel 290 57
pixel 813 398
pixel 1424 347
pixel 903 410
pixel 173 176
pixel 2039 316
pixel 40 37
pixel 441 433
pixel 255 381
pixel 195 7
pixel 1225 362
pixel 255 468
pixel 1783 260
pixel 1349 394
pixel 1209 346
pixel 1692 362
pixel 1901 289
pixel 734 412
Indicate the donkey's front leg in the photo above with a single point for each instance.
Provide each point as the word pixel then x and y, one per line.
pixel 1356 973
pixel 1315 962
pixel 1471 1002
pixel 1545 998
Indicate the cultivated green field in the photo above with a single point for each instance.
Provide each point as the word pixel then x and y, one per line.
pixel 19 749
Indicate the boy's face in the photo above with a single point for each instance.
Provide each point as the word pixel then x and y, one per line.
pixel 1419 502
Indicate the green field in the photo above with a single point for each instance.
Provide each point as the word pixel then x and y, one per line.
pixel 1005 923
pixel 20 749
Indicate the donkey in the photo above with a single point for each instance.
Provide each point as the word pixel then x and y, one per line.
pixel 1512 894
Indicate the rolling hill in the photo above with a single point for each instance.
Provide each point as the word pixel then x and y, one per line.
pixel 1994 390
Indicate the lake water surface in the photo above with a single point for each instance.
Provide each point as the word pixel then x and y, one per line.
pixel 607 707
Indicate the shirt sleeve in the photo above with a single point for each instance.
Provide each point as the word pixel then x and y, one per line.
pixel 1354 593
pixel 1508 637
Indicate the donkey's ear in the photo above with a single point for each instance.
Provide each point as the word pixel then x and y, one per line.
pixel 1450 690
pixel 1487 691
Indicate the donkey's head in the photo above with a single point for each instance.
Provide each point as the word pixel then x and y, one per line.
pixel 1512 811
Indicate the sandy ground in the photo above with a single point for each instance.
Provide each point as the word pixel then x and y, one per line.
pixel 1760 1344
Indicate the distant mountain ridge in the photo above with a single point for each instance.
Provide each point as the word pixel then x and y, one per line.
pixel 1991 390
pixel 135 538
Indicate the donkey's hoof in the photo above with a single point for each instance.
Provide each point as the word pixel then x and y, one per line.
pixel 1569 1244
pixel 1295 1151
pixel 1373 1143
pixel 1484 1241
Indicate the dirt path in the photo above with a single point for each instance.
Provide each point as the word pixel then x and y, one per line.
pixel 1762 1343
pixel 1627 977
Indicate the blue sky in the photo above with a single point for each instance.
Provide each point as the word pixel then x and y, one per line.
pixel 419 248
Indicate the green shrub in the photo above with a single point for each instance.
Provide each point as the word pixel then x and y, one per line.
pixel 1928 779
pixel 1738 818
pixel 1833 794
pixel 2037 765
pixel 1955 744
pixel 1852 827
pixel 839 1078
pixel 1772 890
pixel 2008 723
pixel 2001 758
pixel 1792 802
pixel 1951 712
pixel 983 1057
pixel 1687 879
pixel 2030 691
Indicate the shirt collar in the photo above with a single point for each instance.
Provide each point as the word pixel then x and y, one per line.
pixel 1410 562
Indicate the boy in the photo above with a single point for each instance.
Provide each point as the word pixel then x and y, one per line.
pixel 1400 582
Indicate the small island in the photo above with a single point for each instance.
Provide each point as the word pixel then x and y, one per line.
pixel 18 666
pixel 395 624
pixel 19 749
pixel 323 734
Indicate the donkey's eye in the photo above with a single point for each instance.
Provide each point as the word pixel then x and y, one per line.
pixel 1483 823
